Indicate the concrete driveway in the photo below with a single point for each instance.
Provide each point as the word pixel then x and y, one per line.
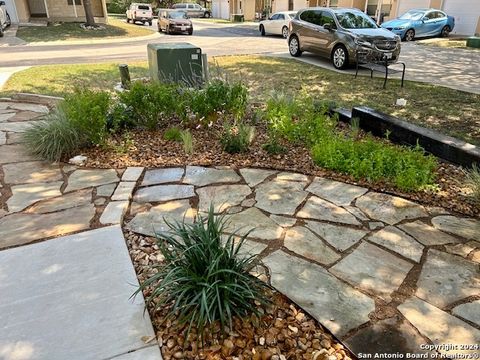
pixel 454 68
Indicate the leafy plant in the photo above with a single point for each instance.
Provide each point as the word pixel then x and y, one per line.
pixel 87 110
pixel 472 179
pixel 187 140
pixel 173 134
pixel 355 127
pixel 217 95
pixel 150 105
pixel 409 169
pixel 205 278
pixel 237 138
pixel 53 138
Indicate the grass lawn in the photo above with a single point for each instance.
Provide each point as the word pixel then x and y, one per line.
pixel 116 28
pixel 447 43
pixel 450 111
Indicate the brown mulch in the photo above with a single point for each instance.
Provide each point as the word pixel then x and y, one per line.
pixel 284 331
pixel 149 149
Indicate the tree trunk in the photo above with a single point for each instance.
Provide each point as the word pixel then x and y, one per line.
pixel 87 5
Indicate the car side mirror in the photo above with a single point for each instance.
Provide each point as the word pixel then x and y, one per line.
pixel 425 19
pixel 328 27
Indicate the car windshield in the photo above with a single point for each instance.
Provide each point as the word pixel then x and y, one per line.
pixel 355 20
pixel 177 15
pixel 412 15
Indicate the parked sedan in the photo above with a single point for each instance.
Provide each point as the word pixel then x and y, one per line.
pixel 421 23
pixel 342 35
pixel 174 22
pixel 277 24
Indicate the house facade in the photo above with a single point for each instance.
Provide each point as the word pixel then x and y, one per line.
pixel 26 11
pixel 466 12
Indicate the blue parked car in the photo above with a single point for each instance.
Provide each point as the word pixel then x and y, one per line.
pixel 421 23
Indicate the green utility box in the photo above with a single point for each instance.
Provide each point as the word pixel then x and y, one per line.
pixel 237 18
pixel 473 42
pixel 176 62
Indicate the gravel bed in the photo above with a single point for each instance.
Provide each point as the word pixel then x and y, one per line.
pixel 284 331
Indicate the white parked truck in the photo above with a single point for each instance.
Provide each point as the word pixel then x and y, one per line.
pixel 140 12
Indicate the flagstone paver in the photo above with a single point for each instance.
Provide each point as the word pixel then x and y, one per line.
pixel 153 221
pixel 396 240
pixel 28 194
pixel 161 176
pixel 222 197
pixel 466 228
pixel 71 299
pixel 31 172
pixel 469 311
pixel 339 257
pixel 447 278
pixel 18 229
pixel 336 192
pixel 439 326
pixel 253 219
pixel 201 176
pixel 114 212
pixel 81 179
pixel 253 177
pixel 304 242
pixel 106 190
pixel 163 193
pixel 372 269
pixel 426 234
pixel 340 237
pixel 67 201
pixel 337 306
pixel 319 209
pixel 280 197
pixel 124 190
pixel 132 173
pixel 389 209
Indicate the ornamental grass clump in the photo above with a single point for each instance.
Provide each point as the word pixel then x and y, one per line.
pixel 205 277
pixel 472 178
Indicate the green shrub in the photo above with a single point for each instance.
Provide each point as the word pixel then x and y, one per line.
pixel 187 140
pixel 149 105
pixel 205 278
pixel 217 96
pixel 53 138
pixel 300 120
pixel 87 111
pixel 173 134
pixel 408 169
pixel 472 178
pixel 237 138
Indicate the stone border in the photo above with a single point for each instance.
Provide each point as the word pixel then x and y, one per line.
pixel 402 132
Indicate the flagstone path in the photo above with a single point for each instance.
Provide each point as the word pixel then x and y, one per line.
pixel 382 273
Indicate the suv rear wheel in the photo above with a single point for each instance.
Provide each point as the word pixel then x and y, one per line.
pixel 294 46
pixel 206 15
pixel 340 57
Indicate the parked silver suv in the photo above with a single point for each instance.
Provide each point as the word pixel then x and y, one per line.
pixel 341 35
pixel 192 9
pixel 4 18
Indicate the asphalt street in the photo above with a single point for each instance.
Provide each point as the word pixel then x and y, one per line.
pixel 454 68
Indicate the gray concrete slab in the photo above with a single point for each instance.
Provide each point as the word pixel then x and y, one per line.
pixel 68 298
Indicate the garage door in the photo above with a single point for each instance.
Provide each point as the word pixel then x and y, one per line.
pixel 466 14
pixel 405 5
pixel 11 11
pixel 220 9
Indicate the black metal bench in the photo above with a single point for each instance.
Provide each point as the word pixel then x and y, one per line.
pixel 379 65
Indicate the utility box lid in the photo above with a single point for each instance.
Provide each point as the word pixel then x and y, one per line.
pixel 171 46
